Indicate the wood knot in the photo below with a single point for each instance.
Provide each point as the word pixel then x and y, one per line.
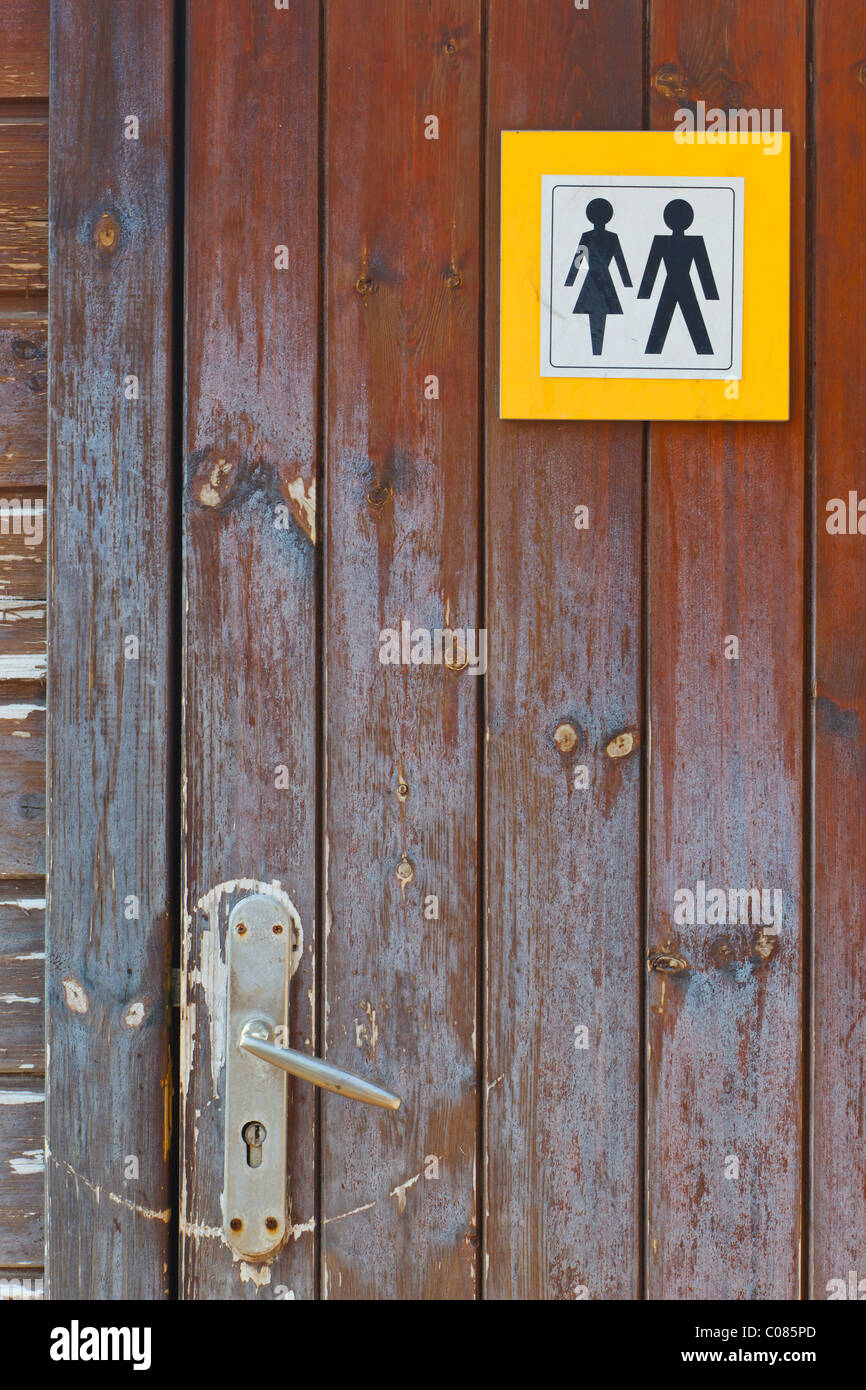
pixel 620 745
pixel 450 47
pixel 402 791
pixel 667 963
pixel 861 74
pixel 453 280
pixel 669 82
pixel 405 871
pixel 365 285
pixel 565 737
pixel 379 495
pixel 721 951
pixel 763 947
pixel 106 234
pixel 37 383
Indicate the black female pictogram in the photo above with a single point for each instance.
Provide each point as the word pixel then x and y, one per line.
pixel 598 248
pixel 677 252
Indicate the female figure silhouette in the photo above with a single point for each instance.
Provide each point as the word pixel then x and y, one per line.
pixel 598 298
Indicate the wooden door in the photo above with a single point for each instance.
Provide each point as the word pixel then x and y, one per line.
pixel 275 449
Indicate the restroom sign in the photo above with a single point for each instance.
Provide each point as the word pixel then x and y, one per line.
pixel 643 277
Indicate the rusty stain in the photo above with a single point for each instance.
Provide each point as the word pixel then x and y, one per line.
pixel 621 745
pixel 106 234
pixel 565 737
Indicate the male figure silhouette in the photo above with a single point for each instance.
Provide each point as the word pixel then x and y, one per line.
pixel 598 298
pixel 677 252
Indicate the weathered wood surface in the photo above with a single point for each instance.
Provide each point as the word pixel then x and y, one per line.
pixel 22 1164
pixel 22 976
pixel 23 549
pixel 402 514
pixel 838 1147
pixel 724 1056
pixel 23 402
pixel 22 788
pixel 250 675
pixel 23 49
pixel 109 924
pixel 23 205
pixel 563 865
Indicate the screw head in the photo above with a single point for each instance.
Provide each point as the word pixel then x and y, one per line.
pixel 278 928
pixel 242 930
pixel 236 1223
pixel 271 1222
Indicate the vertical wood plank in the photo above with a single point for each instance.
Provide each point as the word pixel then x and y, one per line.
pixel 838 1168
pixel 250 576
pixel 402 545
pixel 724 1070
pixel 563 872
pixel 108 898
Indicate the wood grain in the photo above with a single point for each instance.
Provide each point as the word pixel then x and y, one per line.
pixel 403 228
pixel 24 49
pixel 23 206
pixel 724 1069
pixel 563 894
pixel 110 1078
pixel 23 403
pixel 22 789
pixel 22 977
pixel 838 1167
pixel 22 1172
pixel 250 575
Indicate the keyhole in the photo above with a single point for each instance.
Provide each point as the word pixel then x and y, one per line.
pixel 254 1135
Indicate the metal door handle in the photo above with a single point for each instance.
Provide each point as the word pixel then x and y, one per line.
pixel 263 943
pixel 257 1038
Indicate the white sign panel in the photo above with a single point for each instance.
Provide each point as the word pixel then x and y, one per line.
pixel 642 277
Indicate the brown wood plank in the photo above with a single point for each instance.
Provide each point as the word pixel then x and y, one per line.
pixel 23 206
pixel 250 533
pixel 838 1167
pixel 724 1069
pixel 22 977
pixel 22 1170
pixel 23 548
pixel 402 545
pixel 23 403
pixel 24 28
pixel 109 918
pixel 22 788
pixel 563 893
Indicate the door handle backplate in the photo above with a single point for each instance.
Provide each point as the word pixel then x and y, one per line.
pixel 258 960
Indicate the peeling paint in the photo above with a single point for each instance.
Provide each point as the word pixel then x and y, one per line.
pixel 134 1016
pixel 402 1188
pixel 255 1274
pixel 305 500
pixel 30 1161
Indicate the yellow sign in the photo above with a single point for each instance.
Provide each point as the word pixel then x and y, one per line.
pixel 644 276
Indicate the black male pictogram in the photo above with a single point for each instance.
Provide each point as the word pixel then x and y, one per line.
pixel 677 253
pixel 598 247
